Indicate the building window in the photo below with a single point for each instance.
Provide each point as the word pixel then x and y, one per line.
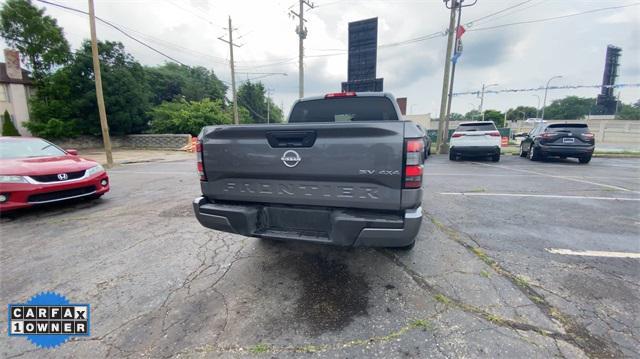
pixel 4 95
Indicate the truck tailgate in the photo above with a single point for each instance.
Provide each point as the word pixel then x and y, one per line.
pixel 354 164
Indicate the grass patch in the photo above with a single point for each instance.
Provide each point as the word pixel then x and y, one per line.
pixel 260 348
pixel 536 299
pixel 477 190
pixel 421 324
pixel 521 281
pixel 485 274
pixel 442 299
pixel 495 319
pixel 310 348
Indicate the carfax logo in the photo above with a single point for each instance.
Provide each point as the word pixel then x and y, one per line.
pixel 48 319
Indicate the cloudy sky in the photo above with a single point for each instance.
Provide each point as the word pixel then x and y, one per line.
pixel 519 56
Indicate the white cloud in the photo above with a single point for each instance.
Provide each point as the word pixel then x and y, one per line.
pixel 515 57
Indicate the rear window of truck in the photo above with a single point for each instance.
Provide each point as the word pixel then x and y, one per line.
pixel 344 110
pixel 568 127
pixel 476 127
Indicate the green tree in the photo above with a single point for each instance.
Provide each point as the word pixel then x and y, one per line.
pixel 454 116
pixel 473 115
pixel 183 116
pixel 628 112
pixel 171 81
pixel 68 96
pixel 252 97
pixel 36 36
pixel 569 108
pixel 515 114
pixel 8 129
pixel 496 116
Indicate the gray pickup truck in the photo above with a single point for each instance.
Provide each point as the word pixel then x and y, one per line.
pixel 344 170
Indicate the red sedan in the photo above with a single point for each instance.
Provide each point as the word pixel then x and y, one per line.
pixel 34 171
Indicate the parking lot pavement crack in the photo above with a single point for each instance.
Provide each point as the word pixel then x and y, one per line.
pixel 416 325
pixel 226 315
pixel 196 273
pixel 574 333
pixel 22 353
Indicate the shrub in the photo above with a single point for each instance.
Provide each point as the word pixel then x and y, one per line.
pixel 8 129
pixel 183 116
pixel 53 128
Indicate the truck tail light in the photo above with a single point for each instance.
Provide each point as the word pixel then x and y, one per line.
pixel 203 176
pixel 340 94
pixel 413 164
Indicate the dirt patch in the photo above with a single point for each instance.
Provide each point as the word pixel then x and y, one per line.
pixel 331 295
pixel 181 210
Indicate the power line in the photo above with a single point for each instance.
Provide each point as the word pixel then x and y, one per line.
pixel 194 13
pixel 541 88
pixel 116 28
pixel 507 13
pixel 443 33
pixel 554 18
pixel 498 12
pixel 167 44
pixel 244 104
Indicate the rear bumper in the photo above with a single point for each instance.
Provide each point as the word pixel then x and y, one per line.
pixel 549 150
pixel 342 227
pixel 475 150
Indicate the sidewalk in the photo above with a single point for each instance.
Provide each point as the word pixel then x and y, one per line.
pixel 126 156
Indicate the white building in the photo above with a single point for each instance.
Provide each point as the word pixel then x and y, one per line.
pixel 15 89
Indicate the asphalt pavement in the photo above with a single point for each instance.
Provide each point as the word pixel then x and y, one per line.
pixel 514 259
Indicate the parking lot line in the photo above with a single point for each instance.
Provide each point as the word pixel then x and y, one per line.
pixel 464 174
pixel 559 177
pixel 538 195
pixel 570 252
pixel 154 172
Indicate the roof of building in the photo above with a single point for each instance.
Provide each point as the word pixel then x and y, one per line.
pixel 4 79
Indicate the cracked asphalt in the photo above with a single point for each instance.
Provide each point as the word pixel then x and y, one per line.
pixel 481 281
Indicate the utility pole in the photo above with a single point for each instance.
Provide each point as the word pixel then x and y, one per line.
pixel 102 112
pixel 301 30
pixel 268 106
pixel 484 87
pixel 457 51
pixel 236 119
pixel 544 102
pixel 440 143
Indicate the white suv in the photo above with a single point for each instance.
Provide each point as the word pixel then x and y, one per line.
pixel 475 139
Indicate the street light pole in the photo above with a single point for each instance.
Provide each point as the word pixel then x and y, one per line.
pixel 484 87
pixel 523 115
pixel 544 102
